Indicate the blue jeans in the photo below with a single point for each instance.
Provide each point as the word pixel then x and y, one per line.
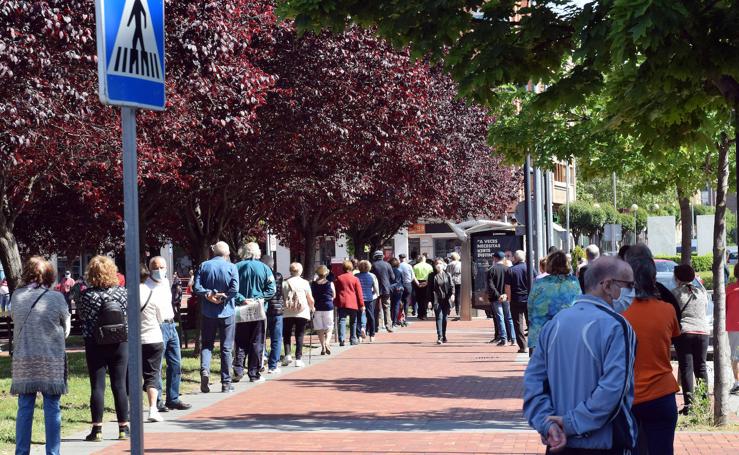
pixel 24 423
pixel 505 321
pixel 174 360
pixel 442 314
pixel 352 315
pixel 395 298
pixel 274 326
pixel 370 316
pixel 226 328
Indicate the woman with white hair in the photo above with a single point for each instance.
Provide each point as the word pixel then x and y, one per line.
pixel 298 309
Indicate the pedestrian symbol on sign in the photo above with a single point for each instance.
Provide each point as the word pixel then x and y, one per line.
pixel 135 53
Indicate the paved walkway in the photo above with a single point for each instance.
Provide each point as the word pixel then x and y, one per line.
pixel 402 394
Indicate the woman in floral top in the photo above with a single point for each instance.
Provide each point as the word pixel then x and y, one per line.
pixel 551 294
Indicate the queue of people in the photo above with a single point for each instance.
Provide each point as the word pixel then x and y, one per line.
pixel 600 379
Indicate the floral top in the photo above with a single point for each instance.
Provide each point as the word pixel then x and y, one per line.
pixel 92 299
pixel 549 295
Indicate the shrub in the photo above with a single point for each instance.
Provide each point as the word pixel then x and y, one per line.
pixel 700 263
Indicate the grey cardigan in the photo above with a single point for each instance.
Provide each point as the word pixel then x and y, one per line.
pixel 692 302
pixel 39 359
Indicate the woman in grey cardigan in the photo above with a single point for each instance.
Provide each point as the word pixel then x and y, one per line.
pixel 41 323
pixel 692 344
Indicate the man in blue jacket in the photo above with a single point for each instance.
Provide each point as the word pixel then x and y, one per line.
pixel 217 284
pixel 579 384
pixel 256 281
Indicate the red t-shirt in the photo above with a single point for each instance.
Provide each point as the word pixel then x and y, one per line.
pixel 655 325
pixel 732 307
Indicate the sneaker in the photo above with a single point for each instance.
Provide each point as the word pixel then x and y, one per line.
pixel 258 380
pixel 389 329
pixel 204 386
pixel 371 339
pixel 511 343
pixel 364 333
pixel 96 434
pixel 274 371
pixel 124 433
pixel 438 341
pixel 501 343
pixel 299 363
pixel 444 340
pixel 161 407
pixel 287 360
pixel 154 415
pixel 341 344
pixel 236 377
pixel 227 388
pixel 734 390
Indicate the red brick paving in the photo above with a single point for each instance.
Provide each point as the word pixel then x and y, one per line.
pixel 404 378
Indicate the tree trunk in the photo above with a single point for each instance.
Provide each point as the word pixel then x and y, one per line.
pixel 309 253
pixel 721 361
pixel 10 258
pixel 686 222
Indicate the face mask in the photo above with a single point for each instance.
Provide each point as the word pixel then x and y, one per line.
pixel 159 274
pixel 624 300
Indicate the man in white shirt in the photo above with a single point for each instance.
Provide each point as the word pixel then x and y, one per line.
pixel 162 298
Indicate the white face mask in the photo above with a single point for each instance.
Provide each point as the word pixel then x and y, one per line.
pixel 624 300
pixel 159 274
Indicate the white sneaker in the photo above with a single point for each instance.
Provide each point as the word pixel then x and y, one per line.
pixel 299 363
pixel 154 415
pixel 274 371
pixel 287 360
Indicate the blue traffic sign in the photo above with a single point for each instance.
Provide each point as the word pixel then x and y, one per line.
pixel 130 46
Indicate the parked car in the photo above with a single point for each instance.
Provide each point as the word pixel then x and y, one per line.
pixel 666 277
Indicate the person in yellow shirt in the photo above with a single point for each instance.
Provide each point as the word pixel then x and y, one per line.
pixel 421 272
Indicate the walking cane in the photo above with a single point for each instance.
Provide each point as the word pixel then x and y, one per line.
pixel 264 344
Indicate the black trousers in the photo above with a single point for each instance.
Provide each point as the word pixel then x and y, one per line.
pixel 114 357
pixel 287 330
pixel 422 299
pixel 249 341
pixel 151 364
pixel 691 351
pixel 519 313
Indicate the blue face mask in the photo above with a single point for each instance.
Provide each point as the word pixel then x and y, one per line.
pixel 624 300
pixel 159 274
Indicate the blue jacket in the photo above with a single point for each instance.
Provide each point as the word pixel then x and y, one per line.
pixel 216 275
pixel 583 370
pixel 256 281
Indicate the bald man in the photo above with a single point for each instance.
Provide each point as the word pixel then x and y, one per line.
pixel 579 384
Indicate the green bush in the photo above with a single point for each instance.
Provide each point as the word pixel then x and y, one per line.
pixel 577 253
pixel 700 263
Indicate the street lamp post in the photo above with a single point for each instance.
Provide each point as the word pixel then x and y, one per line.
pixel 634 208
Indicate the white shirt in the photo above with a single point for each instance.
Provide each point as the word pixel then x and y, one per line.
pixel 159 309
pixel 302 288
pixel 407 271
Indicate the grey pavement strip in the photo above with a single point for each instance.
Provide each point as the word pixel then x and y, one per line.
pixel 76 444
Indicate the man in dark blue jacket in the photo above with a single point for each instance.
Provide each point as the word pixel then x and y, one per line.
pixel 385 276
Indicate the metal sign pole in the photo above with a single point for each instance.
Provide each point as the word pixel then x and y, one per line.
pixel 131 225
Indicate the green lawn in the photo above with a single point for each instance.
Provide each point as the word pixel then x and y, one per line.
pixel 75 405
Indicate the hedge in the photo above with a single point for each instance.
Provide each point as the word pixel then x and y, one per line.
pixel 700 263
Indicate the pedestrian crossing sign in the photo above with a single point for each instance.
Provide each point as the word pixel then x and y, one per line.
pixel 130 42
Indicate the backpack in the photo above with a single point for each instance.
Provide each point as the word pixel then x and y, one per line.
pixel 292 302
pixel 111 322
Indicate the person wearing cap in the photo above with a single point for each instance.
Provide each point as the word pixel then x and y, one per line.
pixel 692 344
pixel 406 270
pixel 385 276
